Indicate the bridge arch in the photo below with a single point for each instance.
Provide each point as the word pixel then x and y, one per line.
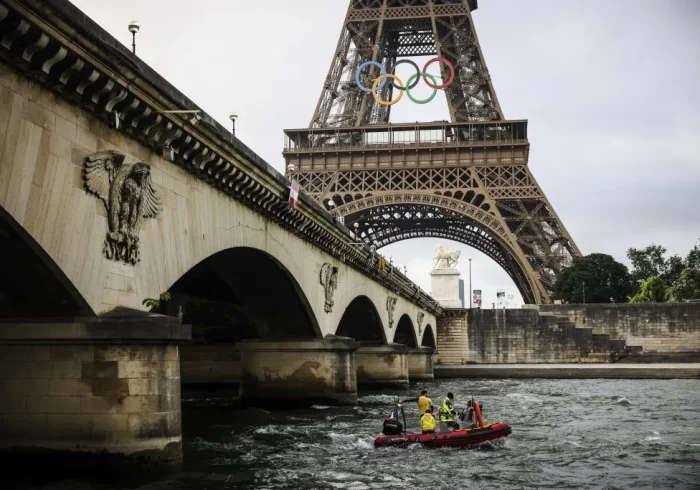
pixel 428 339
pixel 31 283
pixel 405 332
pixel 388 219
pixel 240 293
pixel 361 321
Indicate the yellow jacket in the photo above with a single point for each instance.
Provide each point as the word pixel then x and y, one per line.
pixel 423 403
pixel 427 422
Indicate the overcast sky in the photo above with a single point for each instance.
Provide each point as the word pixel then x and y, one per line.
pixel 610 89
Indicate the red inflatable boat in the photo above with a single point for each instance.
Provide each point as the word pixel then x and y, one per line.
pixel 457 438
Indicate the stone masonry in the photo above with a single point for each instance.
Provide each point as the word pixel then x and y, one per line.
pixel 661 328
pixel 92 388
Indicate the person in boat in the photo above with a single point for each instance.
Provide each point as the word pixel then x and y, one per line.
pixel 424 403
pixel 427 421
pixel 447 413
pixel 472 420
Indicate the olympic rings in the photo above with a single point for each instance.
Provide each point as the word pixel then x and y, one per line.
pixel 417 76
pixel 376 95
pixel 359 69
pixel 395 82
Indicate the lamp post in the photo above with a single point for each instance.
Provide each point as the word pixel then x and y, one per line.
pixel 133 28
pixel 470 284
pixel 233 116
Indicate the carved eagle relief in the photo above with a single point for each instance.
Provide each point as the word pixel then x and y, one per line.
pixel 128 194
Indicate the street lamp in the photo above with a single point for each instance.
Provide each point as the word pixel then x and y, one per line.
pixel 233 116
pixel 290 170
pixel 133 28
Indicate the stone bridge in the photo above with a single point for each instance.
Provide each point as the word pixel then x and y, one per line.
pixel 115 188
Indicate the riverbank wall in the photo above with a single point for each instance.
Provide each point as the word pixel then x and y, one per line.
pixel 571 371
pixel 548 334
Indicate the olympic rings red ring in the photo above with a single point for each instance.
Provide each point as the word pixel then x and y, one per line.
pixel 449 80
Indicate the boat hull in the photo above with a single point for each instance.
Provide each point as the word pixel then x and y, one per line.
pixel 457 438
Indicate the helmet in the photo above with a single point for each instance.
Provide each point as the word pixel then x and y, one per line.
pixel 450 395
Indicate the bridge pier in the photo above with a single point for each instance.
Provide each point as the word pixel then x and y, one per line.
pixel 95 394
pixel 298 372
pixel 382 366
pixel 210 364
pixel 420 363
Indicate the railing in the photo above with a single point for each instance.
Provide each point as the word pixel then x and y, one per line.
pixel 403 146
pixel 403 136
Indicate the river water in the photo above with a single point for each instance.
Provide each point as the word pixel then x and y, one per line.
pixel 597 434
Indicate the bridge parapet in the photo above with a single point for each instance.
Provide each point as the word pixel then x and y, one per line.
pixel 53 42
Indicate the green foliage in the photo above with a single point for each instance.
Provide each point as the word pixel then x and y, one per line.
pixel 603 278
pixel 693 259
pixel 651 261
pixel 688 286
pixel 180 313
pixel 652 290
pixel 155 304
pixel 647 262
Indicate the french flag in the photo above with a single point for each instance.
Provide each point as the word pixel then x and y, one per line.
pixel 293 194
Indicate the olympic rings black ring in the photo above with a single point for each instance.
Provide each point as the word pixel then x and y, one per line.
pixel 393 72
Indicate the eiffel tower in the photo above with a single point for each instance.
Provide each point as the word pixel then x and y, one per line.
pixel 466 180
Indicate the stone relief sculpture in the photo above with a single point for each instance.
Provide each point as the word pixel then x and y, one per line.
pixel 329 281
pixel 128 195
pixel 419 320
pixel 445 259
pixel 390 305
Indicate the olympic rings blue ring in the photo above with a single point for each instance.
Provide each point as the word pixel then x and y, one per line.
pixel 361 67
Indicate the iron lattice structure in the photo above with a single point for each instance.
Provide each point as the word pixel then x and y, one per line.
pixel 466 180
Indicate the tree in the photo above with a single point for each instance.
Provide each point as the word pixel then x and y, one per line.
pixel 603 278
pixel 693 259
pixel 652 290
pixel 647 262
pixel 675 265
pixel 688 286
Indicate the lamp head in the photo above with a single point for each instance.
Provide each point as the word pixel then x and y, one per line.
pixel 134 27
pixel 233 116
pixel 331 203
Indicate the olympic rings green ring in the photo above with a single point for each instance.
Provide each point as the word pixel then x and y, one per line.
pixel 416 75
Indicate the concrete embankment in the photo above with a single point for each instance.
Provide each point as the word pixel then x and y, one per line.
pixel 571 371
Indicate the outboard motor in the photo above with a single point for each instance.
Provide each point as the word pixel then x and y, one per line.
pixel 392 428
pixel 392 425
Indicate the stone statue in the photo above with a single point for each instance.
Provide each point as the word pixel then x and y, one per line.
pixel 390 305
pixel 129 196
pixel 445 259
pixel 419 320
pixel 329 281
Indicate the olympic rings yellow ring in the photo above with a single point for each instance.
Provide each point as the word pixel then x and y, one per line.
pixel 376 96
